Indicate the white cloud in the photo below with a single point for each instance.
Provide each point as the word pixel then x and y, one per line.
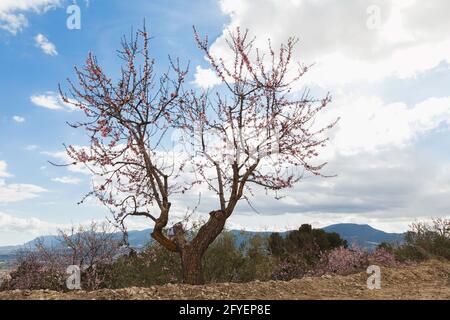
pixel 51 101
pixel 63 159
pixel 46 46
pixel 31 226
pixel 12 12
pixel 19 119
pixel 412 38
pixel 67 180
pixel 3 172
pixel 12 22
pixel 31 147
pixel 205 78
pixel 10 193
pixel 368 124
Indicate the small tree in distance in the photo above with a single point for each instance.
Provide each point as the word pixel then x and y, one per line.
pixel 251 131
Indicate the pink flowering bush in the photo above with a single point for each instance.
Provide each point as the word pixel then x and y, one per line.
pixel 293 268
pixel 92 249
pixel 344 261
pixel 383 257
pixel 32 273
pixel 351 260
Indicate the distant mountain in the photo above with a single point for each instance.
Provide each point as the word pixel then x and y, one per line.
pixel 364 235
pixel 7 250
pixel 137 239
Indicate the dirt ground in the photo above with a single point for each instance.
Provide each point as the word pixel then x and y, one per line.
pixel 430 280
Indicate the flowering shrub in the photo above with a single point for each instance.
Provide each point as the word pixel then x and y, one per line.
pixel 32 273
pixel 92 249
pixel 291 269
pixel 382 257
pixel 344 261
pixel 350 260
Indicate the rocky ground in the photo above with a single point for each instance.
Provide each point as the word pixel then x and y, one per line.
pixel 430 280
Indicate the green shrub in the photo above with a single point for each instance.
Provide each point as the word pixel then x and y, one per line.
pixel 224 260
pixel 153 266
pixel 258 264
pixel 425 241
pixel 304 241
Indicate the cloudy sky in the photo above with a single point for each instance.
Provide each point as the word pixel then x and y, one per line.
pixel 386 63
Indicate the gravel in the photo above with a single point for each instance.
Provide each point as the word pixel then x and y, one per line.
pixel 430 280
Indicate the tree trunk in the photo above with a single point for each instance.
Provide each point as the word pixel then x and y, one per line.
pixel 191 262
pixel 192 253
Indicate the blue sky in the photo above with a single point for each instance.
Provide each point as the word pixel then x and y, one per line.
pixel 390 86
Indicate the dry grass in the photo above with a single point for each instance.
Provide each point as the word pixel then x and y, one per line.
pixel 430 280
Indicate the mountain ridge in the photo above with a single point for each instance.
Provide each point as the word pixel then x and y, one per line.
pixel 362 235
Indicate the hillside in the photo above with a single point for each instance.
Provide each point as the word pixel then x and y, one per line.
pixel 363 235
pixel 430 280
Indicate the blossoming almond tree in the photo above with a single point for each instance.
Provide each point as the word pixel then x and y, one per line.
pixel 251 132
